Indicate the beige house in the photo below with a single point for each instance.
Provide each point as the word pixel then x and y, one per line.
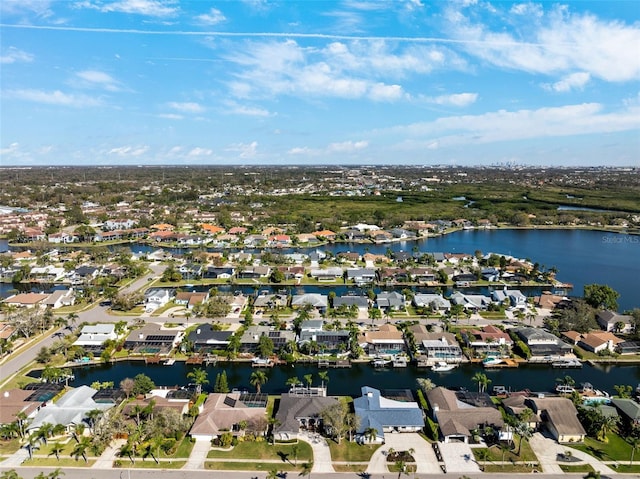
pixel 560 417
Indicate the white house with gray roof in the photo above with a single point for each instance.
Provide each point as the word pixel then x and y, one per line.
pixel 385 415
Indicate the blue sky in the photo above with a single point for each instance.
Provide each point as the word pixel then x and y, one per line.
pixel 145 82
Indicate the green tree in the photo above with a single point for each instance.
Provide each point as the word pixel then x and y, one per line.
pixel 142 384
pixel 56 449
pixel 258 379
pixel 222 384
pixel 601 296
pixel 200 377
pixel 482 380
pixel 265 346
pixel 307 467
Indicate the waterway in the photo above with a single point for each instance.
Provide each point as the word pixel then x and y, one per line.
pixel 581 256
pixel 348 381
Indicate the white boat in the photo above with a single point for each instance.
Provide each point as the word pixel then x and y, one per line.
pixel 379 362
pixel 564 389
pixel 441 367
pixel 567 363
pixel 169 362
pixel 491 361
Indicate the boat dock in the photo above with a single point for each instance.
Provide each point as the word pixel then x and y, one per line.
pixel 340 363
pixel 152 359
pixel 504 363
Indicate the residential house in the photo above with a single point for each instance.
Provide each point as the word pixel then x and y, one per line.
pixel 349 256
pixel 60 298
pixel 488 340
pixel 361 275
pixel 394 275
pixel 155 298
pixel 490 274
pixel 559 416
pixel 271 301
pixel 326 274
pixel 227 412
pixel 159 400
pixel 470 302
pixel 436 302
pixel 350 300
pixel 26 300
pixel 70 410
pixel 300 413
pixel 422 275
pixel 327 340
pixel 119 224
pixel 317 301
pixel 380 236
pixel 216 272
pixel 390 301
pixel 92 337
pixel 253 272
pixel 595 341
pixel 16 401
pixel 612 321
pixel 385 415
pixel 542 343
pixel 153 338
pixel 62 237
pixel 386 340
pixel 48 273
pixel 513 296
pixel 458 419
pixel 190 299
pixel 436 346
pixel 251 338
pixel 629 410
pixel 327 235
pixel 205 338
pixel 191 271
pixel 402 234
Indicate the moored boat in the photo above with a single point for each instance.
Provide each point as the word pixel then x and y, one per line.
pixel 441 367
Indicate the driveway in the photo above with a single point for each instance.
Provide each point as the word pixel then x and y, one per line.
pixel 547 450
pixel 426 462
pixel 321 452
pixel 458 457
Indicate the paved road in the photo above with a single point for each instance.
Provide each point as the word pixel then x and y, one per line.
pixel 80 473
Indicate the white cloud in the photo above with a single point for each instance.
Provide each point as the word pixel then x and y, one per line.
pixel 54 98
pixel 197 152
pixel 502 125
pixel 186 107
pixel 41 8
pixel 152 8
pixel 236 109
pixel 455 99
pixel 556 42
pixel 126 151
pixel 245 150
pixel 527 9
pixel 171 116
pixel 14 55
pixel 574 81
pixel 347 146
pixel 10 150
pixel 214 17
pixel 96 79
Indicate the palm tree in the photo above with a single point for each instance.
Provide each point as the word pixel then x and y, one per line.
pixel 258 379
pixel 10 474
pixel 273 474
pixel 200 377
pixel 92 417
pixel 324 376
pixel 137 410
pixel 370 434
pixel 44 431
pixel 482 380
pixel 295 449
pixel 306 469
pixel 309 379
pixel 402 468
pixel 504 448
pixel 127 449
pixel 57 448
pixel 607 425
pixel 80 449
pixel 482 455
pixel 292 382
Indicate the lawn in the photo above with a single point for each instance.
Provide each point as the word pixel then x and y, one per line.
pixel 151 464
pixel 249 466
pixel 616 449
pixel 576 468
pixel 262 450
pixel 9 447
pixel 495 454
pixel 348 451
pixel 183 450
pixel 53 462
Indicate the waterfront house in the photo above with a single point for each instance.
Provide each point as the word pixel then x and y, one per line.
pixel 70 410
pixel 350 300
pixel 226 412
pixel 93 336
pixel 271 301
pixel 300 413
pixel 253 272
pixel 542 343
pixel 190 299
pixel 516 404
pixel 327 340
pixel 361 275
pixel 158 400
pixel 26 300
pixel 612 321
pixel 48 273
pixel 205 338
pixel 458 419
pixel 489 340
pixel 386 340
pixel 292 272
pixel 394 275
pixel 386 415
pixel 153 338
pixel 60 298
pixel 436 346
pixel 251 338
pixel 596 341
pixel 470 302
pixel 16 401
pixel 629 411
pixel 191 270
pixel 490 274
pixel 215 272
pixel 326 274
pixel 422 275
pixel 390 301
pixel 315 300
pixel 514 297
pixel 558 415
pixel 436 302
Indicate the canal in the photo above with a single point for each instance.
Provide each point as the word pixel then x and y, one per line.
pixel 348 381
